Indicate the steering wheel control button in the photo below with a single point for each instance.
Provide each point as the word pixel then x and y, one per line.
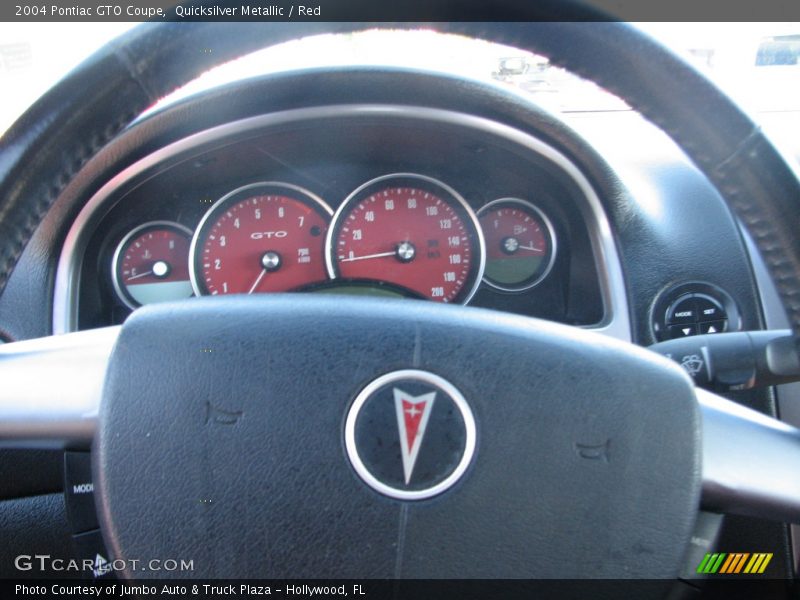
pixel 410 435
pixel 693 309
pixel 713 326
pixel 708 309
pixel 696 308
pixel 79 491
pixel 680 331
pixel 684 310
pixel 89 547
pixel 703 541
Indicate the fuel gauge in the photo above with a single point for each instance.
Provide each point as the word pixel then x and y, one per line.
pixel 151 264
pixel 520 244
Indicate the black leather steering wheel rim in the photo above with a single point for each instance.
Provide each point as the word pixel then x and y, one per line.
pixel 49 144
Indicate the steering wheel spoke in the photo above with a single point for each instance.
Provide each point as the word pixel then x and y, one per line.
pixel 50 388
pixel 749 461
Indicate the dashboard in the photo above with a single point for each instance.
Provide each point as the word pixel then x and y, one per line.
pixel 383 201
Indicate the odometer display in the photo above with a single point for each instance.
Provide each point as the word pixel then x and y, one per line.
pixel 264 237
pixel 411 231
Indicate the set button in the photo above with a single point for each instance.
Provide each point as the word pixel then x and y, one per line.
pixel 708 309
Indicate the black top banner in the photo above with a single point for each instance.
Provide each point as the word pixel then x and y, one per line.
pixel 401 10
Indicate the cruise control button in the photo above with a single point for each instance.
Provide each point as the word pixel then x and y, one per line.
pixel 713 326
pixel 683 310
pixel 679 331
pixel 702 542
pixel 90 546
pixel 79 491
pixel 708 309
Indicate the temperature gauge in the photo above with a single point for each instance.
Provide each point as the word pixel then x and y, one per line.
pixel 151 264
pixel 520 244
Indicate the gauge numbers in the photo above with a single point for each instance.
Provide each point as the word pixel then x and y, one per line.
pixel 263 237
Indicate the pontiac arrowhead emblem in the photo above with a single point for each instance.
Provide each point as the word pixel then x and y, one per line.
pixel 410 434
pixel 412 419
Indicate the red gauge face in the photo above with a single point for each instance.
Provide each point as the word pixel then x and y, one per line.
pixel 519 244
pixel 152 264
pixel 409 231
pixel 261 238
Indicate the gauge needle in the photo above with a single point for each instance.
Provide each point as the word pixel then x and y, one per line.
pixel 258 280
pixel 379 255
pixel 530 248
pixel 139 275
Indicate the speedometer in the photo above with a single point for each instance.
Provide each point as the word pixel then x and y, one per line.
pixel 411 231
pixel 263 237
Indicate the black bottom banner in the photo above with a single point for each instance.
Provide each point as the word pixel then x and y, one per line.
pixel 371 589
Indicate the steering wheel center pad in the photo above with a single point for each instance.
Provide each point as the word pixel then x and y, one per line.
pixel 221 435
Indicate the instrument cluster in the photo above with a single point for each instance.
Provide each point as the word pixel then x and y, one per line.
pixel 399 234
pixel 394 203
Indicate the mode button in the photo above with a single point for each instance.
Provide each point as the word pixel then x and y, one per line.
pixel 683 310
pixel 79 491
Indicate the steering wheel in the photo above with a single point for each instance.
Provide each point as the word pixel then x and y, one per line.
pixel 269 458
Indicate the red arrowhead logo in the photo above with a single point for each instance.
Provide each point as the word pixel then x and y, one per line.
pixel 412 419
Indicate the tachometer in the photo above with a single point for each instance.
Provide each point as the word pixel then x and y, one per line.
pixel 520 244
pixel 409 230
pixel 151 264
pixel 263 237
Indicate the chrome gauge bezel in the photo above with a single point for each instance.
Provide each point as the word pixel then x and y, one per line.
pixel 119 289
pixel 529 206
pixel 465 295
pixel 212 212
